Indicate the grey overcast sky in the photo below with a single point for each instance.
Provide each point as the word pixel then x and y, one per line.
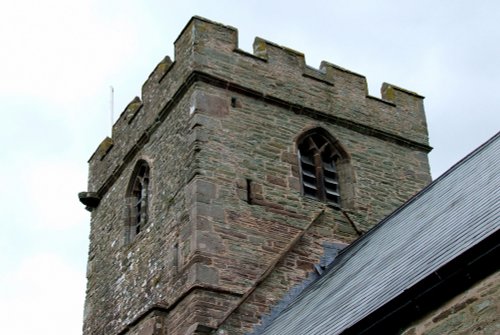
pixel 59 58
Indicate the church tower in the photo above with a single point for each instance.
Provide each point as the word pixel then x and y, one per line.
pixel 234 179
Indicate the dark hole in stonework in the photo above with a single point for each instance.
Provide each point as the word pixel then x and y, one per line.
pixel 233 102
pixel 249 191
pixel 175 260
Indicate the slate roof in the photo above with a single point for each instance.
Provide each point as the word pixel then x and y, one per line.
pixel 454 213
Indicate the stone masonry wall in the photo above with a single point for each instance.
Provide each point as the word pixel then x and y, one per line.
pixel 228 231
pixel 126 279
pixel 475 311
pixel 254 142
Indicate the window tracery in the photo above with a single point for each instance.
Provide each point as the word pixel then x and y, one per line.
pixel 318 157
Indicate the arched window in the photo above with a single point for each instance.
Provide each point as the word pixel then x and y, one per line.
pixel 137 199
pixel 318 157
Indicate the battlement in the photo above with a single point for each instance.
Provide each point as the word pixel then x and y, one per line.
pixel 235 169
pixel 208 52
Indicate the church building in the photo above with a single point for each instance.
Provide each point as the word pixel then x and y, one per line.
pixel 241 193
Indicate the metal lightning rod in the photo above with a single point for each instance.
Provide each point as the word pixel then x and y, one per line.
pixel 111 104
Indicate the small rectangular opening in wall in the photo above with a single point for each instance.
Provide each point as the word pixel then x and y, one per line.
pixel 175 260
pixel 249 191
pixel 235 102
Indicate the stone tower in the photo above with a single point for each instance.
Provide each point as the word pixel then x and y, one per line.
pixel 234 179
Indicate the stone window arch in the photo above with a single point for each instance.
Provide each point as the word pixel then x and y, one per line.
pixel 137 200
pixel 325 169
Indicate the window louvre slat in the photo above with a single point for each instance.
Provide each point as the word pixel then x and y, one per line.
pixel 307 160
pixel 330 167
pixel 311 186
pixel 331 192
pixel 331 180
pixel 308 174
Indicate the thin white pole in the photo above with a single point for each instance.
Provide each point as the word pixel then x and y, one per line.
pixel 111 105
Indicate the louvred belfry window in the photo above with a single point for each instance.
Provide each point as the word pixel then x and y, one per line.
pixel 138 199
pixel 318 169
